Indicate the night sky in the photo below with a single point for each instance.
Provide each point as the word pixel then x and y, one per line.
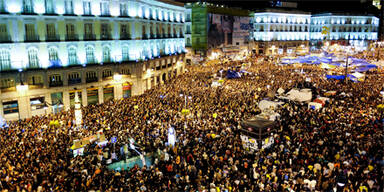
pixel 341 6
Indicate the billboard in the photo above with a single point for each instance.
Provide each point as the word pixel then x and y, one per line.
pixel 227 30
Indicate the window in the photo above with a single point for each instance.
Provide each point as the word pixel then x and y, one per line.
pixel 35 80
pixel 106 54
pixel 52 54
pixel 90 54
pixel 5 60
pixel 74 78
pixel 33 58
pixel 4 33
pixel 126 71
pixel 70 29
pixel 7 83
pixel 27 6
pixel 72 56
pixel 105 31
pixel 123 9
pixel 87 7
pixel 55 80
pixel 104 8
pixel 51 31
pixel 2 6
pixel 69 7
pixel 49 7
pixel 90 76
pixel 124 31
pixel 107 73
pixel 10 107
pixel 30 34
pixel 125 52
pixel 88 31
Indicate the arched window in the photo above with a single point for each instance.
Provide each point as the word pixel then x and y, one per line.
pixel 106 54
pixel 125 53
pixel 33 59
pixel 5 60
pixel 72 56
pixel 52 54
pixel 90 54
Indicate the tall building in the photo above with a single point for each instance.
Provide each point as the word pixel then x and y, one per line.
pixel 102 49
pixel 280 32
pixel 215 27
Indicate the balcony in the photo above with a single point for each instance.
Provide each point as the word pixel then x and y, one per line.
pixel 125 36
pixel 28 11
pixel 188 20
pixel 105 14
pixel 124 13
pixel 181 36
pixel 91 79
pixel 55 83
pixel 89 37
pixel 31 38
pixel 188 32
pixel 71 37
pixel 74 81
pixel 5 39
pixel 52 38
pixel 105 37
pixel 145 36
pixel 153 36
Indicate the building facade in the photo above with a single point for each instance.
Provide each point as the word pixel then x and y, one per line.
pixel 103 49
pixel 357 31
pixel 286 32
pixel 278 32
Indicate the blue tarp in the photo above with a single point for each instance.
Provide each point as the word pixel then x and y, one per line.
pixel 337 77
pixel 233 74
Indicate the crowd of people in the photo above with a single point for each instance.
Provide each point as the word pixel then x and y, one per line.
pixel 339 147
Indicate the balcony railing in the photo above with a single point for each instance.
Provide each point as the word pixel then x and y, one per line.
pixel 52 38
pixel 28 10
pixel 71 37
pixel 55 83
pixel 105 14
pixel 188 32
pixel 153 36
pixel 145 36
pixel 125 36
pixel 91 79
pixel 89 37
pixel 105 37
pixel 74 81
pixel 32 38
pixel 5 39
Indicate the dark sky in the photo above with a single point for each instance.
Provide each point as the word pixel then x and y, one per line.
pixel 315 6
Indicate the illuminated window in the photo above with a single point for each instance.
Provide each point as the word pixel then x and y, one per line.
pixel 27 6
pixel 51 31
pixel 33 59
pixel 2 6
pixel 52 54
pixel 125 53
pixel 106 54
pixel 87 8
pixel 5 60
pixel 104 8
pixel 30 34
pixel 68 7
pixel 90 54
pixel 7 83
pixel 123 9
pixel 49 7
pixel 35 80
pixel 72 56
pixel 105 31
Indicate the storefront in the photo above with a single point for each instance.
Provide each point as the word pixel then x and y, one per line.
pixel 108 93
pixel 92 96
pixel 127 87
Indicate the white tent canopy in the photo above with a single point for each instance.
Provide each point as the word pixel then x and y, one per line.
pixel 303 95
pixel 264 104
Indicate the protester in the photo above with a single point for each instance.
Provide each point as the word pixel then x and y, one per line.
pixel 337 147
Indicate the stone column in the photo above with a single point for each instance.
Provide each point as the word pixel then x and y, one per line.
pixel 84 97
pixel 118 90
pixel 24 107
pixel 66 101
pixel 100 92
